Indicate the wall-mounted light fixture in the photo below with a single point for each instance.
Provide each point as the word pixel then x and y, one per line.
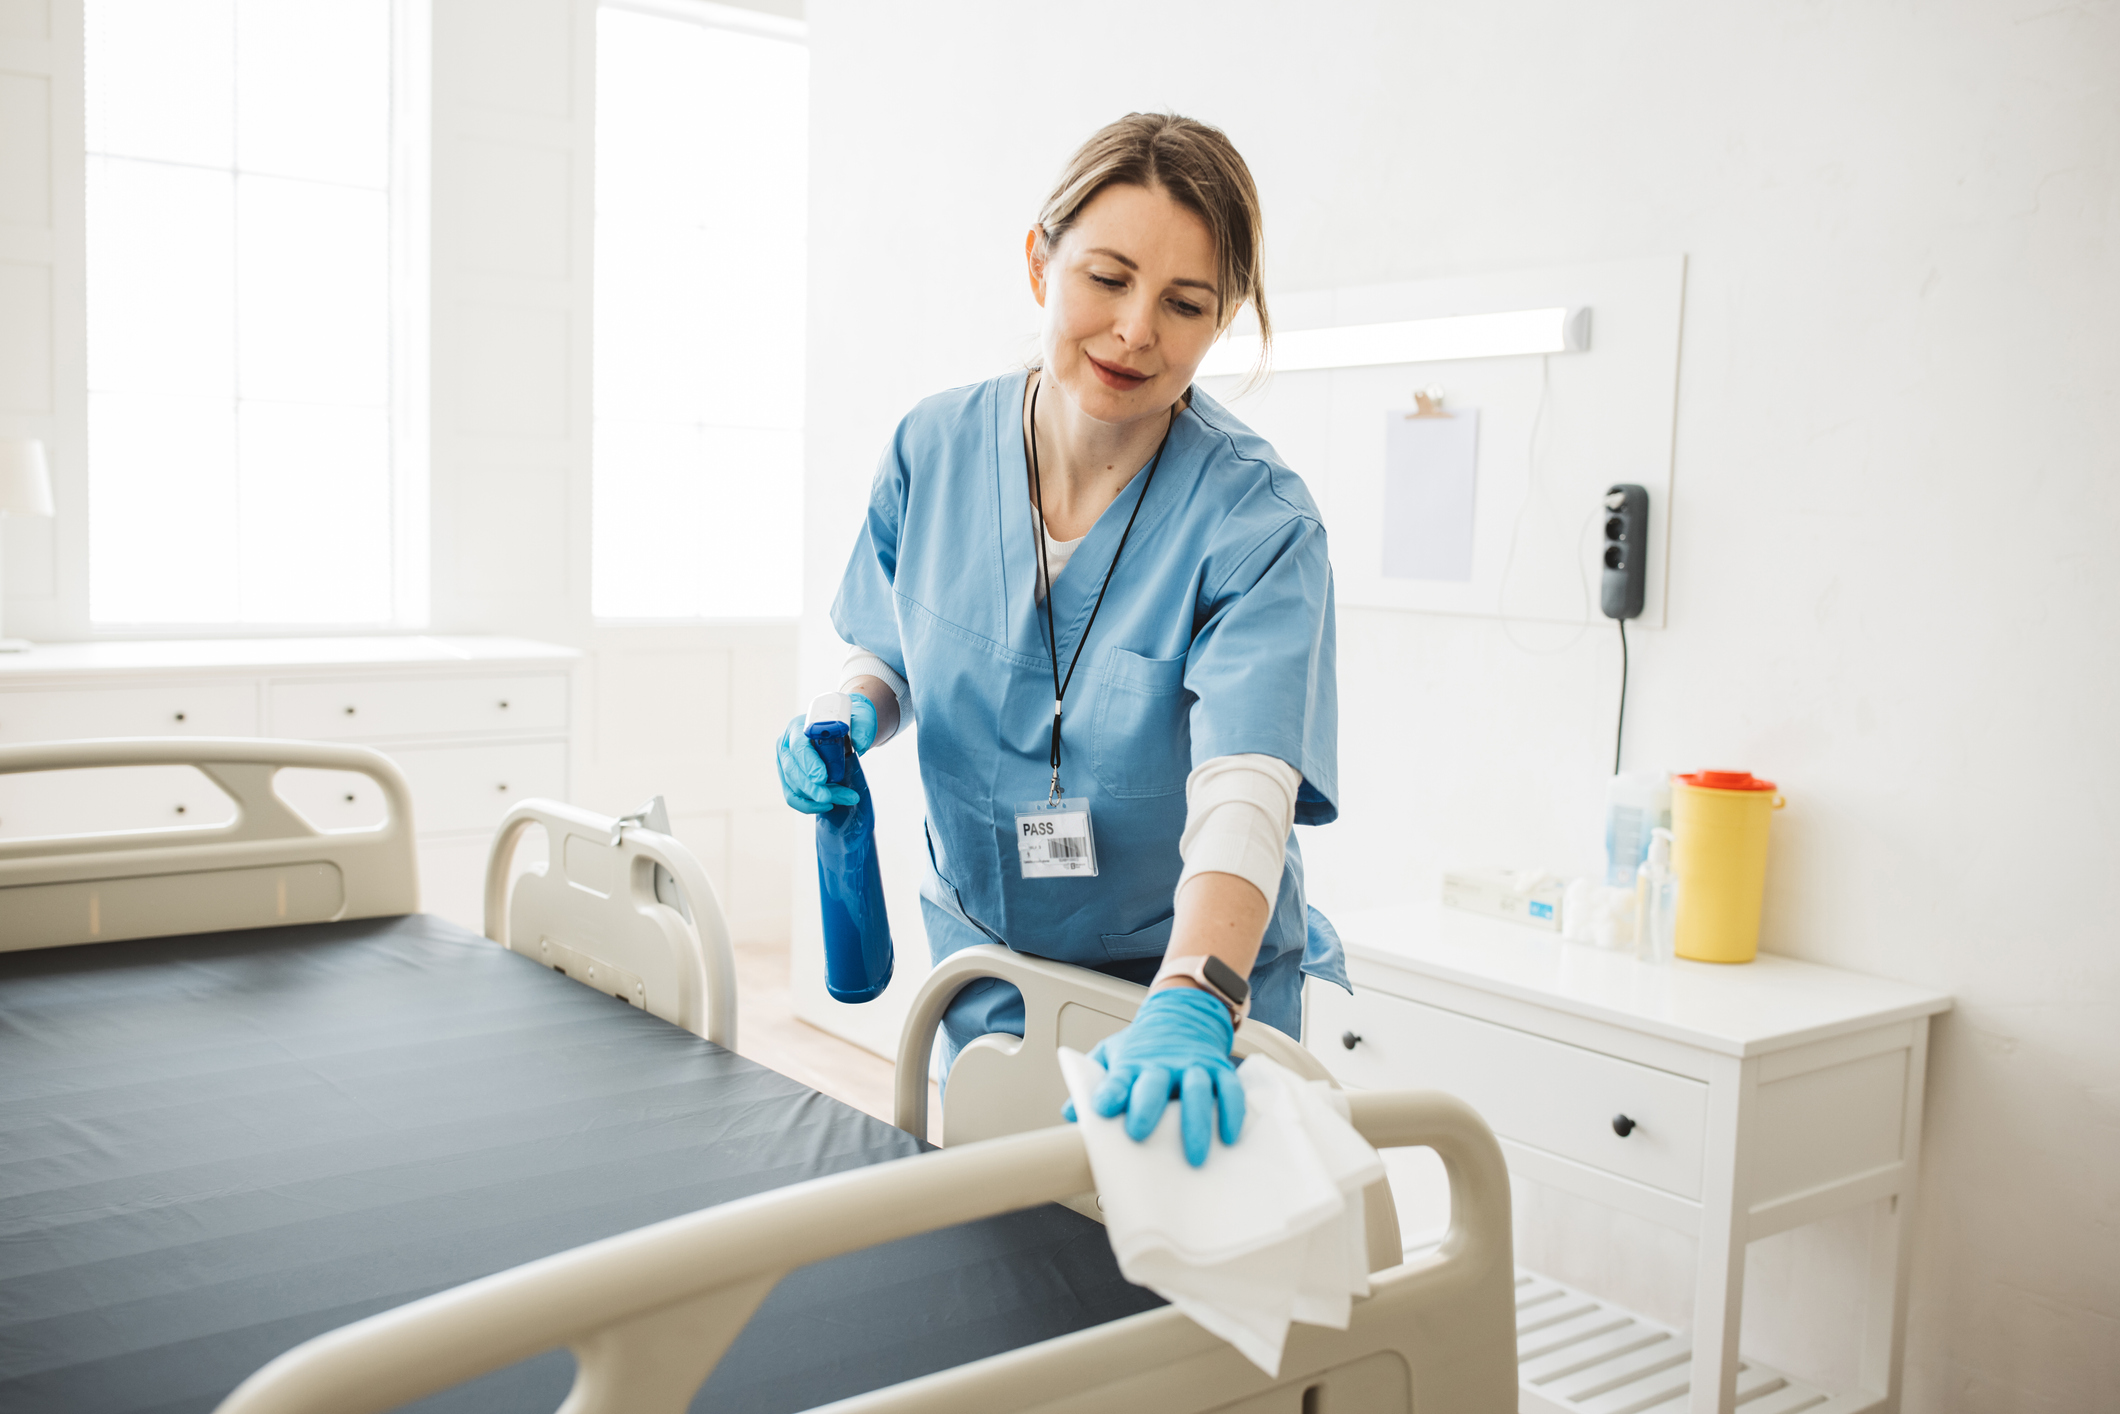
pixel 1524 331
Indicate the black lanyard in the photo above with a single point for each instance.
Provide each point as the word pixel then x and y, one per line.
pixel 1038 533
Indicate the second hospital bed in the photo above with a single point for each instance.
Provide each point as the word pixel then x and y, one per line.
pixel 249 1118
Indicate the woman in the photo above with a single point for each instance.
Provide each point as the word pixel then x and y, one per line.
pixel 1176 684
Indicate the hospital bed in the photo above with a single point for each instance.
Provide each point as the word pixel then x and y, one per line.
pixel 277 1119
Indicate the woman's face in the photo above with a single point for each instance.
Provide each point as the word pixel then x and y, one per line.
pixel 1129 297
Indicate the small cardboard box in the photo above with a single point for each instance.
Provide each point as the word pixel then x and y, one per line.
pixel 1526 896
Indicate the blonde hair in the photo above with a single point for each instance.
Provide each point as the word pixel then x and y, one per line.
pixel 1201 170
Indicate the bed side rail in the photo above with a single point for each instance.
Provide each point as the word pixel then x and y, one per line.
pixel 619 907
pixel 267 866
pixel 1006 1085
pixel 649 1313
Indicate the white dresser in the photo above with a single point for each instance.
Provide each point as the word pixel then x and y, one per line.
pixel 1727 1103
pixel 476 724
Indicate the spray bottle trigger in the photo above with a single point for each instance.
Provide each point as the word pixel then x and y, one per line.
pixel 829 740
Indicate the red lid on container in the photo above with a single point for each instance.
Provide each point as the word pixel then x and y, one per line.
pixel 1727 780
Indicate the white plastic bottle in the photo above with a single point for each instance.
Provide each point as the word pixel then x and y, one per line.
pixel 1656 901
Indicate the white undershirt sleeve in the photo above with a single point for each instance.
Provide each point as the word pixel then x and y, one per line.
pixel 861 663
pixel 1238 812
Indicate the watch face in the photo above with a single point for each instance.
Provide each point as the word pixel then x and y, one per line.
pixel 1226 981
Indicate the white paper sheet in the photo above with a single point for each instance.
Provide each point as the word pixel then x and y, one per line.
pixel 1431 479
pixel 1269 1232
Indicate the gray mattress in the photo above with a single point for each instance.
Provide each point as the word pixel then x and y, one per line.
pixel 213 1148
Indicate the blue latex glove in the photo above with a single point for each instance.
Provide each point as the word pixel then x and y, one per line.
pixel 1178 1046
pixel 802 773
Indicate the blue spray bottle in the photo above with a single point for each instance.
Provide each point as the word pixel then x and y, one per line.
pixel 857 934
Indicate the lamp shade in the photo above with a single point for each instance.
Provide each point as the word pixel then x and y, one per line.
pixel 25 480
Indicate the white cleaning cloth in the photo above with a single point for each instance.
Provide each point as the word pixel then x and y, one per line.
pixel 1269 1231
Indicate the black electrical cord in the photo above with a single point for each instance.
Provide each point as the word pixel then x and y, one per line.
pixel 1619 733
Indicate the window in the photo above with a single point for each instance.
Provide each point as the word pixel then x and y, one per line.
pixel 700 183
pixel 250 456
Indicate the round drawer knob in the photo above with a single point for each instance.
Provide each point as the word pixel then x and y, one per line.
pixel 349 711
pixel 349 797
pixel 180 810
pixel 180 716
pixel 504 705
pixel 1622 1126
pixel 1350 1040
pixel 504 785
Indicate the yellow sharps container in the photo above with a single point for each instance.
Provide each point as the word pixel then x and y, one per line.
pixel 1719 859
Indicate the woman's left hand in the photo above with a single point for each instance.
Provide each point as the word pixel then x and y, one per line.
pixel 1177 1047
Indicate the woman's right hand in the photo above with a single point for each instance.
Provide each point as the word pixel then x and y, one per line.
pixel 1177 1048
pixel 802 774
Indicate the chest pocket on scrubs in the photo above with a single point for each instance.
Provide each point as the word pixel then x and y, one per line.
pixel 1141 738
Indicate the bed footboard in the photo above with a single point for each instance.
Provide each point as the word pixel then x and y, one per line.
pixel 266 867
pixel 649 1313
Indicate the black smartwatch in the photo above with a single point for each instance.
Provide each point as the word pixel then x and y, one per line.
pixel 1216 977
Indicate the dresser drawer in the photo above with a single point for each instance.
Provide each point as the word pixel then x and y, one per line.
pixel 384 707
pixel 471 787
pixel 1545 1094
pixel 178 709
pixel 334 800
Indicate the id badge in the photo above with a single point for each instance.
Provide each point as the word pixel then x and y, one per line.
pixel 1053 840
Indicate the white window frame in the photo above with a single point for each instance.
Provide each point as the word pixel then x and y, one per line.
pixel 712 15
pixel 411 145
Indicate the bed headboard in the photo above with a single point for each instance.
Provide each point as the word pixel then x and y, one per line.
pixel 266 867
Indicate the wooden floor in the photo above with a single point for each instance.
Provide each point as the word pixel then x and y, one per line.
pixel 768 1032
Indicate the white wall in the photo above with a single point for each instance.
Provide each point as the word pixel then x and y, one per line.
pixel 686 712
pixel 1894 587
pixel 513 206
pixel 43 314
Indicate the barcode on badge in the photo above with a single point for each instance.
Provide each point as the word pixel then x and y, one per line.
pixel 1066 847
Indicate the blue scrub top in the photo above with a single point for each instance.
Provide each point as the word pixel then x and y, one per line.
pixel 1215 639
